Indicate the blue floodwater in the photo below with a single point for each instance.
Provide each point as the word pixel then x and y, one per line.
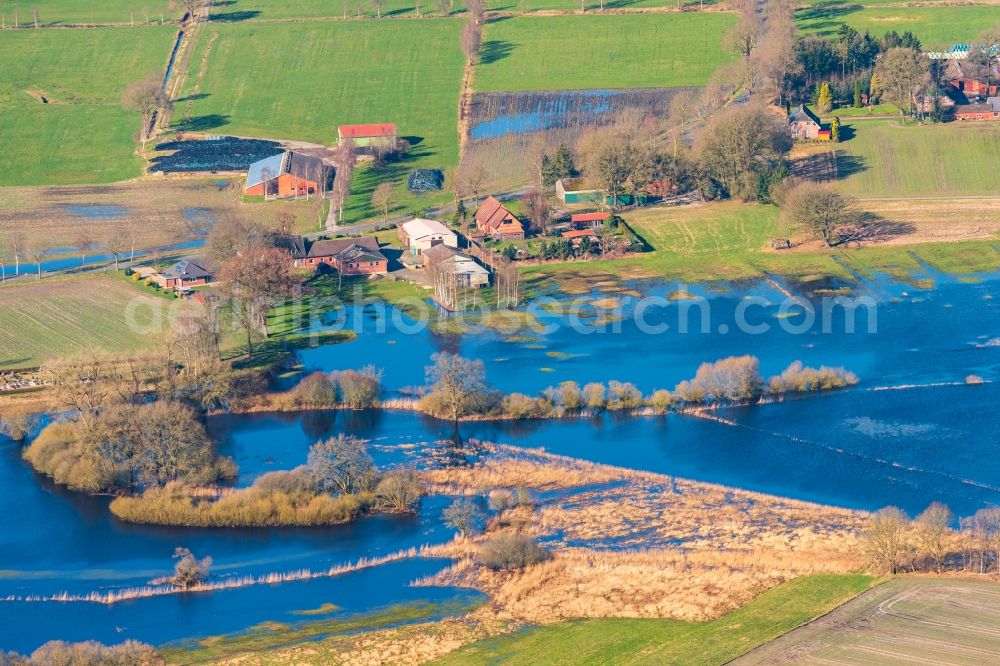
pixel 72 261
pixel 547 116
pixel 903 349
pixel 910 433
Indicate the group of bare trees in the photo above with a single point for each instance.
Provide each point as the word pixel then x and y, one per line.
pixel 930 542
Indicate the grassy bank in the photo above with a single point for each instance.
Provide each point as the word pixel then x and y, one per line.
pixel 730 240
pixel 62 12
pixel 275 635
pixel 80 133
pixel 621 51
pixel 665 641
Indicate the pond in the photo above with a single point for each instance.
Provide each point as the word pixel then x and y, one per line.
pixel 913 431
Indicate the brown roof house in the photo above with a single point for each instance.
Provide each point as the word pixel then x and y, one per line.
pixel 349 256
pixel 183 274
pixel 495 221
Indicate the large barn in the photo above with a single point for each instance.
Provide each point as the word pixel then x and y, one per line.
pixel 289 174
pixel 365 136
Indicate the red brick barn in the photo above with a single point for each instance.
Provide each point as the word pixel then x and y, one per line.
pixel 495 221
pixel 289 174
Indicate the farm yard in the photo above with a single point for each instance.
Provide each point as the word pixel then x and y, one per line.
pixel 614 51
pixel 63 123
pixel 58 317
pixel 332 74
pixel 936 27
pixel 885 159
pixel 905 620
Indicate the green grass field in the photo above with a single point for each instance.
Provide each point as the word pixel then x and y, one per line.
pixel 936 27
pixel 615 51
pixel 300 81
pixel 884 158
pixel 902 621
pixel 623 641
pixel 60 12
pixel 57 317
pixel 263 10
pixel 82 135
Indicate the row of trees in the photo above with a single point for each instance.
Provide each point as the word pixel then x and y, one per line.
pixel 457 388
pixel 895 543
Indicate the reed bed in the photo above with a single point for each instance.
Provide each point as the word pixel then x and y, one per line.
pixel 149 591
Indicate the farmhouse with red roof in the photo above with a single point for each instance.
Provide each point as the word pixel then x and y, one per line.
pixel 366 136
pixel 495 221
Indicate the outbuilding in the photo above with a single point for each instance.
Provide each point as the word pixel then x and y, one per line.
pixel 289 174
pixel 382 135
pixel 421 234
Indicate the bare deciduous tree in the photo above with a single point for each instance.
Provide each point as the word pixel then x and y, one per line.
pixel 147 97
pixel 472 41
pixel 821 210
pixel 383 198
pixel 932 529
pixel 903 75
pixel 885 538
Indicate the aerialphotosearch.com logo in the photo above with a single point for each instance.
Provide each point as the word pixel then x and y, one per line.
pixel 682 313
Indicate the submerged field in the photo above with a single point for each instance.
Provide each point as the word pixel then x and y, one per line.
pixel 614 51
pixel 936 27
pixel 885 159
pixel 664 641
pixel 63 122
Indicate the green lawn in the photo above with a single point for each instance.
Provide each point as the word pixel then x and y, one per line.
pixel 936 27
pixel 57 12
pixel 884 158
pixel 82 135
pixel 300 81
pixel 612 51
pixel 623 641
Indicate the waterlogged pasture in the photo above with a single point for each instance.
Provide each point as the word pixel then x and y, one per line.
pixel 504 127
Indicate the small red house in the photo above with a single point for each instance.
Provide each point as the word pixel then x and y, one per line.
pixel 286 175
pixel 495 221
pixel 589 220
pixel 349 256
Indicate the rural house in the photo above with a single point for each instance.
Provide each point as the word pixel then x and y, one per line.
pixel 182 275
pixel 382 135
pixel 494 220
pixel 466 271
pixel 988 111
pixel 288 174
pixel 349 256
pixel 419 235
pixel 965 87
pixel 804 125
pixel 589 220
